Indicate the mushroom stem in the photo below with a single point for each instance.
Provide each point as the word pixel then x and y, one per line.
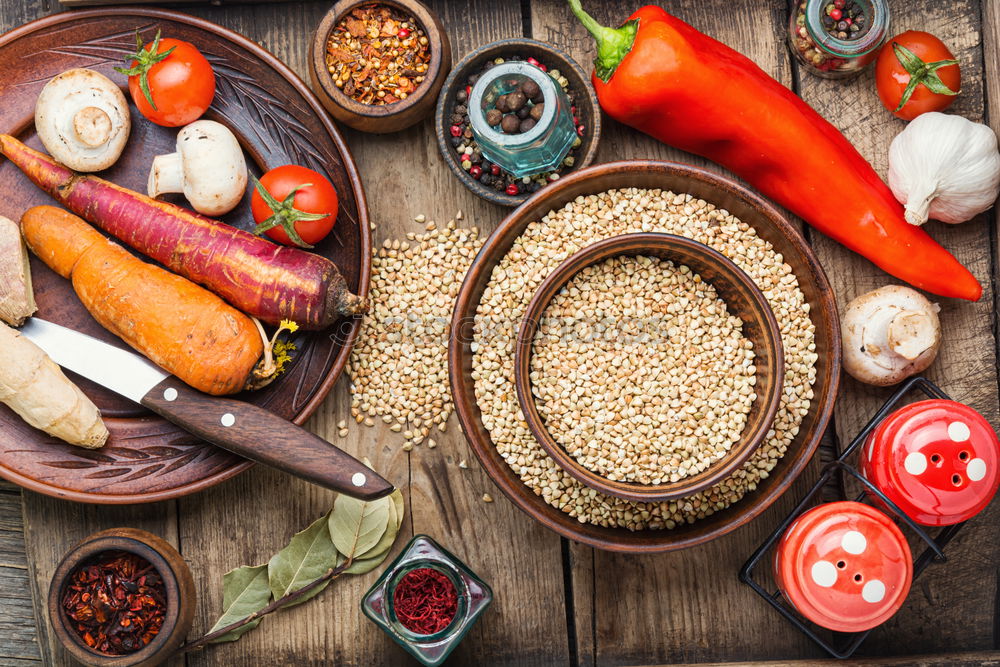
pixel 92 126
pixel 911 333
pixel 166 175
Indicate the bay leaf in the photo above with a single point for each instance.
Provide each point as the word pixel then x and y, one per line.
pixel 397 501
pixel 383 546
pixel 244 591
pixel 364 565
pixel 356 526
pixel 307 557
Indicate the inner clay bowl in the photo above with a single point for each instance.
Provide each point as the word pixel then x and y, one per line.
pixel 742 298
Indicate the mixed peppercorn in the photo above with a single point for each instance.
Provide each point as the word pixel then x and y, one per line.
pixel 518 111
pixel 467 150
pixel 116 603
pixel 844 19
pixel 377 55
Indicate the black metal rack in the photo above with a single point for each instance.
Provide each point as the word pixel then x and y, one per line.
pixel 842 644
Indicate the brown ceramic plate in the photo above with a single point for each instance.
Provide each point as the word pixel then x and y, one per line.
pixel 278 121
pixel 770 225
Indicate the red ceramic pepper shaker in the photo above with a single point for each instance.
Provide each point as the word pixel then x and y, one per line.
pixel 845 566
pixel 937 460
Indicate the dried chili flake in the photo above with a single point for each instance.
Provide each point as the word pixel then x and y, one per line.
pixel 377 55
pixel 116 602
pixel 425 601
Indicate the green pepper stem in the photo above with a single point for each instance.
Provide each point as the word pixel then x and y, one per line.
pixel 613 44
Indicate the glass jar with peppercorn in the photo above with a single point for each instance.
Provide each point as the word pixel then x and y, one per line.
pixel 521 119
pixel 836 39
pixel 426 600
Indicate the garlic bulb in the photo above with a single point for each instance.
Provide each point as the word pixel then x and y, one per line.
pixel 944 167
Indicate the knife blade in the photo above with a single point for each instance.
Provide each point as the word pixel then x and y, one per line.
pixel 237 426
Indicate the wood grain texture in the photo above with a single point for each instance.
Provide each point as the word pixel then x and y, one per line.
pixel 17 619
pixel 677 607
pixel 522 562
pixel 951 606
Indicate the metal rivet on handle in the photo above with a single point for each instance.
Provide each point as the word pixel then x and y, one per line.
pixel 170 394
pixel 358 479
pixel 228 419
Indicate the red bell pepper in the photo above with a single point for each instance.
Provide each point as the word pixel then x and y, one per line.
pixel 661 76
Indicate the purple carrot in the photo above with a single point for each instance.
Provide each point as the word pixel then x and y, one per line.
pixel 265 280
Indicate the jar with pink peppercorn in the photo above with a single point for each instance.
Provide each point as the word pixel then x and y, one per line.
pixel 836 39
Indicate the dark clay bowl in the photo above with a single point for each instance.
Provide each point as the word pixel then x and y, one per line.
pixel 742 297
pixel 584 98
pixel 772 226
pixel 177 580
pixel 385 118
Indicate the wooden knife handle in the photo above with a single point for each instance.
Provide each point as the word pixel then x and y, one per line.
pixel 257 434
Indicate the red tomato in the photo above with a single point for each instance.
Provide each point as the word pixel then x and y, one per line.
pixel 310 213
pixel 181 83
pixel 923 58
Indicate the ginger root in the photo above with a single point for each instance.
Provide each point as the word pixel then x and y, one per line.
pixel 34 387
pixel 17 300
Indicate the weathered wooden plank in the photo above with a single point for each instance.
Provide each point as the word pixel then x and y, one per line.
pixel 670 607
pixel 954 605
pixel 18 643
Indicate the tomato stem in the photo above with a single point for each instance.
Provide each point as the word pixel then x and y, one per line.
pixel 284 213
pixel 143 61
pixel 921 73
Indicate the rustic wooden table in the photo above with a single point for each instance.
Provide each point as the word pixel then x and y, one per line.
pixel 558 602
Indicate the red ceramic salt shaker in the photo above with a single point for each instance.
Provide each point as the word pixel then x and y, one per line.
pixel 845 566
pixel 938 460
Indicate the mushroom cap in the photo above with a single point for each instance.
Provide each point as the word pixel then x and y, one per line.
pixel 83 119
pixel 889 334
pixel 215 171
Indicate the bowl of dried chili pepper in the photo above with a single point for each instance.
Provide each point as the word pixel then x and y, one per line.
pixel 378 66
pixel 122 597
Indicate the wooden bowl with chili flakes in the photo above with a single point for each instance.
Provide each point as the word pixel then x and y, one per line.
pixel 387 79
pixel 116 552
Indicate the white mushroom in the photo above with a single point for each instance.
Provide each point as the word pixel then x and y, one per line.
pixel 890 334
pixel 82 118
pixel 208 168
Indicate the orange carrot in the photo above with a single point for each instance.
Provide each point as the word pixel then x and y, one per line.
pixel 180 326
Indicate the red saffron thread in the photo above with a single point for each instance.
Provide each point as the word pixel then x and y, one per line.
pixel 425 601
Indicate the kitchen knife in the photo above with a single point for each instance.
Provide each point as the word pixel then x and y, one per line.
pixel 240 427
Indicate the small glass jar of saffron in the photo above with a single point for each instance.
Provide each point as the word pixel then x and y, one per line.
pixel 837 39
pixel 427 600
pixel 522 152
